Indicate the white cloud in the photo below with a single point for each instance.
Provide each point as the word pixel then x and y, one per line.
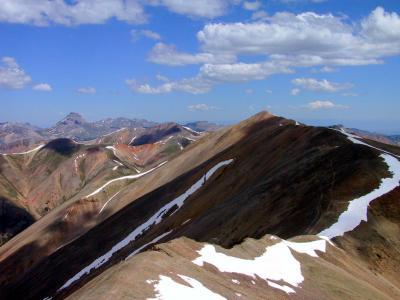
pixel 44 12
pixel 252 5
pixel 268 91
pixel 308 39
pixel 168 55
pixel 295 92
pixel 12 76
pixel 381 26
pixel 210 75
pixel 249 91
pixel 287 41
pixel 241 72
pixel 43 87
pixel 325 69
pixel 194 85
pixel 324 85
pixel 136 34
pixel 201 107
pixel 162 78
pixel 319 104
pixel 196 8
pixel 86 90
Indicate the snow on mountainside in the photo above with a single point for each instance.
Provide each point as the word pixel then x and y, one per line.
pixel 241 213
pixel 65 169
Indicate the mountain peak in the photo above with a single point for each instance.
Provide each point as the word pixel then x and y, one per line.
pixel 74 118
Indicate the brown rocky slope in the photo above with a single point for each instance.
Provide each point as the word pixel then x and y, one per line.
pixel 269 177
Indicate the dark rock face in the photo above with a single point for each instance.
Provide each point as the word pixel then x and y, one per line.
pixel 62 146
pixel 13 220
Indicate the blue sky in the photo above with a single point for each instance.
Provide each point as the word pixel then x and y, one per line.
pixel 320 62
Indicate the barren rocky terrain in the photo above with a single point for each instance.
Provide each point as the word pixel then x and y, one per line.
pixel 265 209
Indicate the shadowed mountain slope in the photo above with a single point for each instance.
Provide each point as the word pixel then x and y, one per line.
pixel 266 175
pixel 62 170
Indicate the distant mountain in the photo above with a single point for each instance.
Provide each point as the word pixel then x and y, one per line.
pixel 18 136
pixel 378 137
pixel 74 126
pixel 394 138
pixel 204 126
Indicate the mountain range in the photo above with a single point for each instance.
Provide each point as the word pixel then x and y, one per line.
pixel 19 137
pixel 264 209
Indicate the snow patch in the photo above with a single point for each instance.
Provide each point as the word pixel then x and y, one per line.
pixel 117 162
pixel 134 138
pixel 76 161
pixel 26 152
pixel 358 208
pixel 105 204
pixel 123 178
pixel 191 130
pixel 185 222
pixel 113 132
pixel 168 289
pixel 284 288
pixel 113 149
pixel 277 263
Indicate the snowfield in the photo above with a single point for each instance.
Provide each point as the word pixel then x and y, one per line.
pixel 276 264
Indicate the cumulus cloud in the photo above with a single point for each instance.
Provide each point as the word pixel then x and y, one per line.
pixel 43 87
pixel 320 104
pixel 194 85
pixel 12 76
pixel 308 39
pixel 241 72
pixel 252 5
pixel 210 75
pixel 136 34
pixel 168 55
pixel 295 92
pixel 201 107
pixel 286 41
pixel 324 85
pixel 44 12
pixel 86 90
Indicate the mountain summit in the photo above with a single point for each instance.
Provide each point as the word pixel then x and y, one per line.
pixel 73 118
